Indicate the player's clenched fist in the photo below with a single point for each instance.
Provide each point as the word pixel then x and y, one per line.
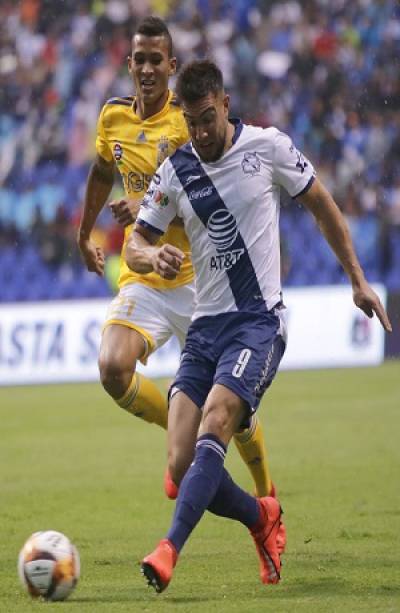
pixel 167 261
pixel 125 210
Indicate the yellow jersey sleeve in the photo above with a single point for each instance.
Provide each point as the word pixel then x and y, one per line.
pixel 102 145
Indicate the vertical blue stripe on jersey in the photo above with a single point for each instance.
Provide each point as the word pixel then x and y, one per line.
pixel 242 276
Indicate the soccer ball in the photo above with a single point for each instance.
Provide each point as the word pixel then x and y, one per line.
pixel 48 565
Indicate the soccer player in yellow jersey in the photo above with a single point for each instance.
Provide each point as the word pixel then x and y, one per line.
pixel 134 135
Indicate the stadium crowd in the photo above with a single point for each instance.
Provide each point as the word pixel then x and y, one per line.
pixel 325 72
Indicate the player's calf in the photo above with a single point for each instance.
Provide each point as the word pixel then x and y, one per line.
pixel 170 488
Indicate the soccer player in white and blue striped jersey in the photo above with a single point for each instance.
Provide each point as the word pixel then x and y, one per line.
pixel 225 186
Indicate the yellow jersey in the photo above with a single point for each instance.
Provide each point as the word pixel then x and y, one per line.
pixel 138 146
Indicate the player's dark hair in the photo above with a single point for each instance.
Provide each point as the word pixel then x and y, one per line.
pixel 154 26
pixel 198 79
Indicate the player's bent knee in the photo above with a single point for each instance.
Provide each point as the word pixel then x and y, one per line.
pixel 221 418
pixel 215 419
pixel 115 377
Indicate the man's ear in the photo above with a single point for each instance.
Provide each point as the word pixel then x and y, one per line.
pixel 172 66
pixel 226 103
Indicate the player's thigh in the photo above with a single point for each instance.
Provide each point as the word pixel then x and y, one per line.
pixel 141 309
pixel 183 424
pixel 223 413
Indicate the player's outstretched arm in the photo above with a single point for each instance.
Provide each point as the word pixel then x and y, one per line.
pixel 143 256
pixel 333 226
pixel 98 188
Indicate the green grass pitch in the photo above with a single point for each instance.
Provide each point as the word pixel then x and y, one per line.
pixel 72 462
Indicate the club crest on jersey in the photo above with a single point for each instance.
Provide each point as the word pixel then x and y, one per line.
pixel 251 164
pixel 162 150
pixel 118 151
pixel 160 199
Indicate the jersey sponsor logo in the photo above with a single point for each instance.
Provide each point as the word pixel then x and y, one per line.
pixel 204 192
pixel 222 229
pixel 301 163
pixel 251 164
pixel 227 260
pixel 118 151
pixel 160 199
pixel 135 181
pixel 192 178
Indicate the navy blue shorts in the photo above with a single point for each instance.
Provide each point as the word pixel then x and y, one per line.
pixel 241 351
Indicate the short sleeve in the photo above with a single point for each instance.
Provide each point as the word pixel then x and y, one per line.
pixel 102 146
pixel 158 207
pixel 291 169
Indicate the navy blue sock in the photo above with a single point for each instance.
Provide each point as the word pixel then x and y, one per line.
pixel 198 488
pixel 233 502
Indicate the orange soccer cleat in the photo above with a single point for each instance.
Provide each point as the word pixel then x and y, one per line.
pixel 281 536
pixel 265 537
pixel 171 490
pixel 158 566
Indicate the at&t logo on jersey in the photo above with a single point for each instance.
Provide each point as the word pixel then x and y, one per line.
pixel 226 261
pixel 118 151
pixel 222 230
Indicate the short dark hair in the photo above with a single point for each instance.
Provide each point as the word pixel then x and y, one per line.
pixel 154 26
pixel 198 79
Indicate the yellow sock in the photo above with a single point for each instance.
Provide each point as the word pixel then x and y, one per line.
pixel 251 446
pixel 143 399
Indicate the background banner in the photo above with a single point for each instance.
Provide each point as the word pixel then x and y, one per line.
pixel 58 341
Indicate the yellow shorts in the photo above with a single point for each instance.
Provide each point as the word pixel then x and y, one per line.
pixel 155 314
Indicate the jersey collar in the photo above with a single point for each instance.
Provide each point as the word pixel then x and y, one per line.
pixel 238 125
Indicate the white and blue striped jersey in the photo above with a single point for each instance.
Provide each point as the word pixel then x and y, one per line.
pixel 230 210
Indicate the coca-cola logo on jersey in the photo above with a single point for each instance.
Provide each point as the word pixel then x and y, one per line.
pixel 204 192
